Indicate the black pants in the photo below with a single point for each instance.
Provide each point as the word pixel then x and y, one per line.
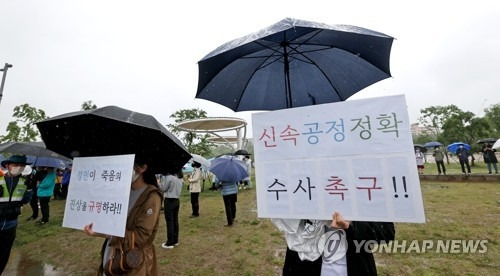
pixel 294 266
pixel 7 238
pixel 57 191
pixel 34 205
pixel 44 206
pixel 440 165
pixel 171 212
pixel 195 204
pixel 230 205
pixel 462 163
pixel 64 191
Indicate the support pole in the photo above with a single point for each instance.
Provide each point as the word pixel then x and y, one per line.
pixel 5 68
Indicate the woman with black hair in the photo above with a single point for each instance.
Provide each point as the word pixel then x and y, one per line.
pixel 142 222
pixel 195 189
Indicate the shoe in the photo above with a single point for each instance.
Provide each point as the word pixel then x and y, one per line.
pixel 489 173
pixel 165 246
pixel 176 244
pixel 228 225
pixel 468 173
pixel 31 218
pixel 41 222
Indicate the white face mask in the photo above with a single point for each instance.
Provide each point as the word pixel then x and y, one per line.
pixel 15 171
pixel 135 175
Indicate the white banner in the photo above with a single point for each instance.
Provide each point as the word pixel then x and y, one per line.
pixel 99 192
pixel 355 157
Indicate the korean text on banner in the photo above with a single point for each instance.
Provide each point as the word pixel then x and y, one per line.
pixel 355 157
pixel 99 192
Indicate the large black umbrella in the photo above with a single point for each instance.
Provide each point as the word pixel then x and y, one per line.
pixel 113 130
pixel 487 141
pixel 294 63
pixel 36 149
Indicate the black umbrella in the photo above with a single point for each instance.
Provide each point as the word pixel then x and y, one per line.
pixel 113 130
pixel 420 147
pixel 36 149
pixel 242 152
pixel 487 140
pixel 294 63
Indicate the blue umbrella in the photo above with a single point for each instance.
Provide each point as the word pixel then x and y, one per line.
pixel 454 146
pixel 228 169
pixel 294 63
pixel 43 161
pixel 432 144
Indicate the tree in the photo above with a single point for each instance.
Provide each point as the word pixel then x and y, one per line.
pixel 492 115
pixel 434 117
pixel 195 143
pixel 23 129
pixel 88 105
pixel 465 127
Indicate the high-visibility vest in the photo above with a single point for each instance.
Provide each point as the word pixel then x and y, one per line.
pixel 17 193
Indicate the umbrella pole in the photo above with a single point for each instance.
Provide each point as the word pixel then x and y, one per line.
pixel 288 92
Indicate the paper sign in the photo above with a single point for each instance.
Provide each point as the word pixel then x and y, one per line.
pixel 99 192
pixel 355 157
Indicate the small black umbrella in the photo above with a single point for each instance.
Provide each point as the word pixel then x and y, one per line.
pixel 487 140
pixel 420 147
pixel 294 63
pixel 113 130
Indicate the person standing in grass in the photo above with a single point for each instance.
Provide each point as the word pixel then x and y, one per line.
pixel 419 156
pixel 463 157
pixel 45 191
pixel 142 223
pixel 13 194
pixel 229 193
pixel 490 158
pixel 195 189
pixel 439 157
pixel 171 186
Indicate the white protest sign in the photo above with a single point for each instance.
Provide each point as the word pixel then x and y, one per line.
pixel 355 157
pixel 99 192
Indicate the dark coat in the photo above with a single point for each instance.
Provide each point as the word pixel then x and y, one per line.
pixel 489 155
pixel 358 263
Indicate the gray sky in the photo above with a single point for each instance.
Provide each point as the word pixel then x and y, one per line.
pixel 142 55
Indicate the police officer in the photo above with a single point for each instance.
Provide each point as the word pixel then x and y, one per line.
pixel 13 193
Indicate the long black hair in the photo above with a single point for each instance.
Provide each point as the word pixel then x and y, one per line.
pixel 148 175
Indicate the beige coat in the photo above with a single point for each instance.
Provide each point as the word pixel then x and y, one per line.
pixel 195 181
pixel 143 219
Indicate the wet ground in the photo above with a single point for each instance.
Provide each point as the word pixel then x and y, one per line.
pixel 20 265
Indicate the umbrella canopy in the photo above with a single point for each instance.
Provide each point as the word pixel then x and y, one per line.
pixel 47 162
pixel 432 144
pixel 112 130
pixel 242 152
pixel 487 140
pixel 30 148
pixel 454 146
pixel 200 159
pixel 496 145
pixel 420 147
pixel 228 169
pixel 294 63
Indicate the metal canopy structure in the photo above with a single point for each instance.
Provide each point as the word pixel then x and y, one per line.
pixel 212 125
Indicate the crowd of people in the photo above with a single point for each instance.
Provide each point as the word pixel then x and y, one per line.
pixel 462 154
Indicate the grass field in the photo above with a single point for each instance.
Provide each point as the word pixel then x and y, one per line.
pixel 454 211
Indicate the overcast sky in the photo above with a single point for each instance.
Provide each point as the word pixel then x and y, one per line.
pixel 142 55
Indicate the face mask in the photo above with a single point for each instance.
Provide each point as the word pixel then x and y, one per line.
pixel 135 175
pixel 15 171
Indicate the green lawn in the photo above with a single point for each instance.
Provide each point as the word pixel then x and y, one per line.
pixel 253 246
